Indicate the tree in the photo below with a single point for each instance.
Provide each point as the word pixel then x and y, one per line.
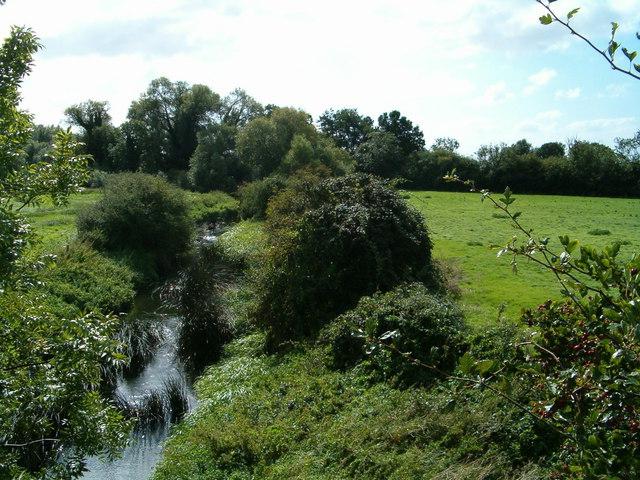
pixel 550 149
pixel 410 138
pixel 629 148
pixel 215 165
pixel 445 143
pixel 238 108
pixel 51 414
pixel 346 127
pixel 98 134
pixel 263 143
pixel 380 155
pixel 165 122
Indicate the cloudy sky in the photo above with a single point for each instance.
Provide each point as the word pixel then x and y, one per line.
pixel 478 71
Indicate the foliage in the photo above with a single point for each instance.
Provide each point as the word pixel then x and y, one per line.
pixel 380 155
pixel 215 165
pixel 291 416
pixel 410 138
pixel 357 237
pixel 82 277
pixel 346 127
pixel 551 149
pixel 426 169
pixel 411 320
pixel 445 143
pixel 238 108
pixel 212 207
pixel 254 196
pixel 98 134
pixel 141 213
pixel 263 143
pixel 629 147
pixel 584 355
pixel 164 123
pixel 204 327
pixel 50 371
pixel 40 143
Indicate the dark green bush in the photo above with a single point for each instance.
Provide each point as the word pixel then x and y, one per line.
pixel 254 196
pixel 90 281
pixel 139 213
pixel 430 328
pixel 358 236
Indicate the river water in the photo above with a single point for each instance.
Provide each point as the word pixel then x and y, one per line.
pixel 145 446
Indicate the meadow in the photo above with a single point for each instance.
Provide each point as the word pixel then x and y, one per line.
pixel 465 232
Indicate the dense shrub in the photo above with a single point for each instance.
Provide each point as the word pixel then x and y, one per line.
pixel 358 236
pixel 84 278
pixel 140 213
pixel 430 328
pixel 255 196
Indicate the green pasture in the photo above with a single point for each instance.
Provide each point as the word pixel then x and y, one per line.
pixel 464 229
pixel 56 226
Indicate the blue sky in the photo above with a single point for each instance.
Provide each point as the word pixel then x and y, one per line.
pixel 482 72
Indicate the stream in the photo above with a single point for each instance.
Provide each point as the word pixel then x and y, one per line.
pixel 145 446
pixel 144 449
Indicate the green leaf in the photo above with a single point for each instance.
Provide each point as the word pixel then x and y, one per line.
pixel 630 55
pixel 564 240
pixel 613 46
pixel 637 67
pixel 485 366
pixel 572 13
pixel 465 364
pixel 614 29
pixel 546 19
pixel 572 245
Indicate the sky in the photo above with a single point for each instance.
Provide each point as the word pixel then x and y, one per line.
pixel 481 72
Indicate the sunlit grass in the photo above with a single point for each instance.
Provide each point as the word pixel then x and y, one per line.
pixel 464 229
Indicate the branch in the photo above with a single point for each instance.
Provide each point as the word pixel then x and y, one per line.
pixel 585 39
pixel 32 442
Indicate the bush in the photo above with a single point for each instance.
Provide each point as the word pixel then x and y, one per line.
pixel 254 196
pixel 412 320
pixel 212 207
pixel 205 326
pixel 90 281
pixel 140 213
pixel 358 236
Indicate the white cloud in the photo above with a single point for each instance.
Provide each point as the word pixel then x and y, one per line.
pixel 494 94
pixel 614 90
pixel 569 94
pixel 539 80
pixel 429 59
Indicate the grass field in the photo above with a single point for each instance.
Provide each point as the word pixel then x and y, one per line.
pixel 56 226
pixel 463 230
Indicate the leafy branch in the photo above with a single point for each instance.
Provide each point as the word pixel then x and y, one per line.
pixel 609 53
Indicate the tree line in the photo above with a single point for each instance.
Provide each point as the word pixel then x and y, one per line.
pixel 203 141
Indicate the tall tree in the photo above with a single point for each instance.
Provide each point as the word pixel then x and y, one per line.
pixel 346 127
pixel 410 138
pixel 98 134
pixel 238 108
pixel 166 120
